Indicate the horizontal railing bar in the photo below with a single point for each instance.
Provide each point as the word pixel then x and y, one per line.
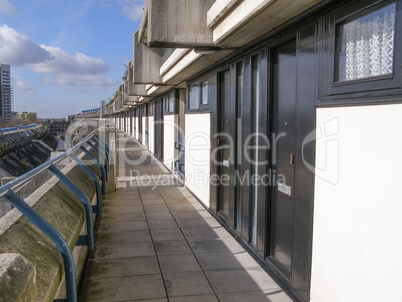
pixel 34 172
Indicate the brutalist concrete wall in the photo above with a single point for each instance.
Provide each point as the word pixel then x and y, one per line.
pixel 58 205
pixel 17 279
pixel 62 209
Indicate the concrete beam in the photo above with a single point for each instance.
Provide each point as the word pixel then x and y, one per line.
pixel 146 63
pixel 177 23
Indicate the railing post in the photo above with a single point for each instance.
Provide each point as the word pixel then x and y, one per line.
pixel 94 178
pixel 54 235
pixel 103 172
pixel 88 208
pixel 101 155
pixel 102 142
pixel 104 151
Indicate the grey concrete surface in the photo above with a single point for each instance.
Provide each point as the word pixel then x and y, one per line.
pixel 160 244
pixel 17 279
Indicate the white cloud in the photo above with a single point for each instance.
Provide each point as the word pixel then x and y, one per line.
pixel 63 63
pixel 22 86
pixel 82 80
pixel 8 8
pixel 132 9
pixel 66 69
pixel 17 49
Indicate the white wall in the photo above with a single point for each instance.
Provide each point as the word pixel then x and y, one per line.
pixel 151 134
pixel 128 119
pixel 357 238
pixel 128 124
pixel 197 151
pixel 170 135
pixel 133 126
pixel 137 135
pixel 144 128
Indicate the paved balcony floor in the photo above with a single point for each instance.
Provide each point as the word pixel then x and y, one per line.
pixel 156 242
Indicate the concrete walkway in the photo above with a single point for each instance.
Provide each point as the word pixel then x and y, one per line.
pixel 158 243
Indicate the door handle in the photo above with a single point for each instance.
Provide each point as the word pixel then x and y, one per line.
pixel 292 159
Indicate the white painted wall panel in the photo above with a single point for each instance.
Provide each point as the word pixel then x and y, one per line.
pixel 357 238
pixel 170 135
pixel 137 135
pixel 151 134
pixel 198 148
pixel 128 125
pixel 144 129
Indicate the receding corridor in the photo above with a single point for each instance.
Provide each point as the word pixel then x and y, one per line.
pixel 156 242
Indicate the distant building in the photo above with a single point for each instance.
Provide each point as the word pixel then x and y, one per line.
pixel 58 126
pixel 25 117
pixel 70 118
pixel 6 93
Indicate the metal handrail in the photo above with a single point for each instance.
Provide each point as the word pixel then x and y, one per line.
pixel 7 192
pixel 23 179
pixel 179 164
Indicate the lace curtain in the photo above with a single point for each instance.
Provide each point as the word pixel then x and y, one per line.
pixel 368 45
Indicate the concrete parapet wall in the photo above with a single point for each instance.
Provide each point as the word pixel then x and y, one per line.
pixel 64 211
pixel 17 279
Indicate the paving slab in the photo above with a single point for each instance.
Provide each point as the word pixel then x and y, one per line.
pixel 179 263
pixel 107 268
pixel 158 224
pixel 118 238
pixel 159 215
pixel 172 247
pixel 240 280
pixel 124 288
pixel 255 296
pixel 124 250
pixel 123 216
pixel 215 245
pixel 170 234
pixel 119 226
pixel 197 298
pixel 205 233
pixel 186 283
pixel 226 261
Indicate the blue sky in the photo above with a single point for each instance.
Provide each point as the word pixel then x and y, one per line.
pixel 66 56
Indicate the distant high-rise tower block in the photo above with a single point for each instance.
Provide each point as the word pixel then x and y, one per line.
pixel 6 93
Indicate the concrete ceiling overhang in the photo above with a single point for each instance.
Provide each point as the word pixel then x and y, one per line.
pixel 176 23
pixel 227 24
pixel 236 23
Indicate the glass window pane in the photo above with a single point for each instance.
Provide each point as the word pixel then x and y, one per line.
pixel 367 45
pixel 204 95
pixel 255 104
pixel 239 140
pixel 194 98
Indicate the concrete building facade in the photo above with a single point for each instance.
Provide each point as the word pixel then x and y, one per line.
pixel 6 93
pixel 283 118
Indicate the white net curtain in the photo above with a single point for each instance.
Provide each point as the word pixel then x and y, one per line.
pixel 367 48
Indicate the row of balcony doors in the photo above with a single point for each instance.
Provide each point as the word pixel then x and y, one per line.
pixel 263 113
pixel 158 128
